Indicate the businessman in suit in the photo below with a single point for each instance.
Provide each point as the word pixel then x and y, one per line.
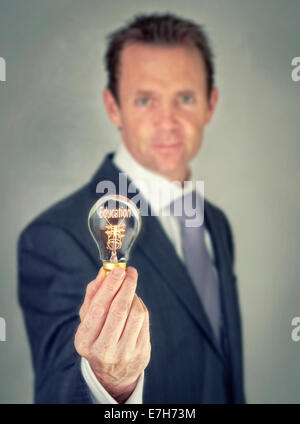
pixel 150 334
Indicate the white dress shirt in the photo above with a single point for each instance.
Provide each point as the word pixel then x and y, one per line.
pixel 154 188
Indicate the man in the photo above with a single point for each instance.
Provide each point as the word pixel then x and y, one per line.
pixel 164 331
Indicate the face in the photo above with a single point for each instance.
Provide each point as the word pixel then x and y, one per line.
pixel 163 106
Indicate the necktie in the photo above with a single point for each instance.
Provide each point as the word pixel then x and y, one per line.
pixel 197 259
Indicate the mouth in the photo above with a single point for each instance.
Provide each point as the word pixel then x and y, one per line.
pixel 167 146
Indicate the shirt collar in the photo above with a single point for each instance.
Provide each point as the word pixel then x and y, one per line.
pixel 157 190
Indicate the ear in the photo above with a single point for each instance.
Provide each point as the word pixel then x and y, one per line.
pixel 214 96
pixel 112 108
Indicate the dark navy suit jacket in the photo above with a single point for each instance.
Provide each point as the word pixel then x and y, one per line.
pixel 57 258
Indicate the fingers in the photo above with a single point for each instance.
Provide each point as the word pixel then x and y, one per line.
pixel 114 331
pixel 95 316
pixel 91 289
pixel 143 341
pixel 144 336
pixel 133 325
pixel 135 339
pixel 118 311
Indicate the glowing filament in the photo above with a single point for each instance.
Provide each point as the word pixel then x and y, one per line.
pixel 114 233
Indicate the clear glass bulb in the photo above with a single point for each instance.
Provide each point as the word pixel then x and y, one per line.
pixel 114 223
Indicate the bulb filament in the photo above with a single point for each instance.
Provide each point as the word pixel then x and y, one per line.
pixel 114 233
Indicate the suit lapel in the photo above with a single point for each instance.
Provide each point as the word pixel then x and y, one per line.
pixel 158 249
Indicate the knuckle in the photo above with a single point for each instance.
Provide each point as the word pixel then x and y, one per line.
pixel 110 285
pixel 138 307
pixel 102 354
pixel 84 328
pixel 89 287
pixel 94 351
pixel 76 340
pixel 81 310
pixel 80 346
pixel 109 327
pixel 126 357
pixel 145 355
pixel 97 310
pixel 148 357
pixel 113 279
pixel 117 314
pixel 146 310
pixel 140 357
pixel 139 301
pixel 131 282
pixel 119 310
pixel 137 313
pixel 78 334
pixel 95 356
pixel 131 271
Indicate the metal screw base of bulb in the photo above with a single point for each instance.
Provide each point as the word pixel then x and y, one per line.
pixel 108 266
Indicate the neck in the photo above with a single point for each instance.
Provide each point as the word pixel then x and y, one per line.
pixel 127 162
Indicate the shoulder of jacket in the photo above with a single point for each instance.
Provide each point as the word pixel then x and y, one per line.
pixel 63 212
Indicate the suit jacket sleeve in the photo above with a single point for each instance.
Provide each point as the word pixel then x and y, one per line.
pixel 53 270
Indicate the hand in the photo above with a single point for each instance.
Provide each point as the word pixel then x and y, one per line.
pixel 114 331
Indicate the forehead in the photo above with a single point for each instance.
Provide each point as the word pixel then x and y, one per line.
pixel 161 66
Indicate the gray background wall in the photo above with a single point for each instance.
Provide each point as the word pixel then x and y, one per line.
pixel 54 133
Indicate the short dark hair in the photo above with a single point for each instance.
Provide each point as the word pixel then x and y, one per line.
pixel 161 30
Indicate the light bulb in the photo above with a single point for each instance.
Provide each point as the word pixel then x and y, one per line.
pixel 114 223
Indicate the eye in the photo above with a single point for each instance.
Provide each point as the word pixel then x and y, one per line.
pixel 144 101
pixel 187 99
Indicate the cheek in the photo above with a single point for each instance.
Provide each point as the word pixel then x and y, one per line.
pixel 193 134
pixel 193 126
pixel 137 123
pixel 138 131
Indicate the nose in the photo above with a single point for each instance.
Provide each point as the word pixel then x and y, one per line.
pixel 166 116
